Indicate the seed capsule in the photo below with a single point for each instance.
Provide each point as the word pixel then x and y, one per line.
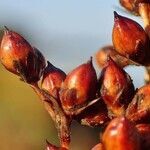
pixel 17 56
pixel 79 87
pixel 129 39
pixel 132 5
pixel 121 134
pixel 14 48
pixel 105 52
pixel 138 109
pixel 52 79
pixel 116 89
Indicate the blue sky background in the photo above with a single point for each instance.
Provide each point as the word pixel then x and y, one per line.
pixel 68 32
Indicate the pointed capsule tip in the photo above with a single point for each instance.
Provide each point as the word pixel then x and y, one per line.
pixel 49 64
pixel 6 29
pixel 90 60
pixel 116 15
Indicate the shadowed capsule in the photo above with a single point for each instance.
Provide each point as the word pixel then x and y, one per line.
pixel 116 88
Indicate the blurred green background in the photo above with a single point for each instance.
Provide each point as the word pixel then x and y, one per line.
pixel 24 123
pixel 67 33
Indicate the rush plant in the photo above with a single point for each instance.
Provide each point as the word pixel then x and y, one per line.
pixel 109 101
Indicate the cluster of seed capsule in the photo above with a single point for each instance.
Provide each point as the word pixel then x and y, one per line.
pixel 110 100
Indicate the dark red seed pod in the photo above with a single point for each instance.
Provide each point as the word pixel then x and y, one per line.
pixel 138 109
pixel 121 134
pixel 116 88
pixel 129 39
pixel 52 79
pixel 79 87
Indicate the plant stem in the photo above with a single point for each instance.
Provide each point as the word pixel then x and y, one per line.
pixel 144 10
pixel 62 122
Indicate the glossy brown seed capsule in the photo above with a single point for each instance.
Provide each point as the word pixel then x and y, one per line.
pixel 132 5
pixel 121 134
pixel 98 147
pixel 102 55
pixel 79 87
pixel 129 39
pixel 116 88
pixel 52 79
pixel 144 131
pixel 53 147
pixel 14 48
pixel 138 109
pixel 17 55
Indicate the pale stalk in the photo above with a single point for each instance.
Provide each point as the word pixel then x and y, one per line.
pixel 144 10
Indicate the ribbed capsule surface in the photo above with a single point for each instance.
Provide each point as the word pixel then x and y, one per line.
pixel 35 66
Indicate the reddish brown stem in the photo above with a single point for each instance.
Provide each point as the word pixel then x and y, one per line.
pixel 144 10
pixel 62 122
